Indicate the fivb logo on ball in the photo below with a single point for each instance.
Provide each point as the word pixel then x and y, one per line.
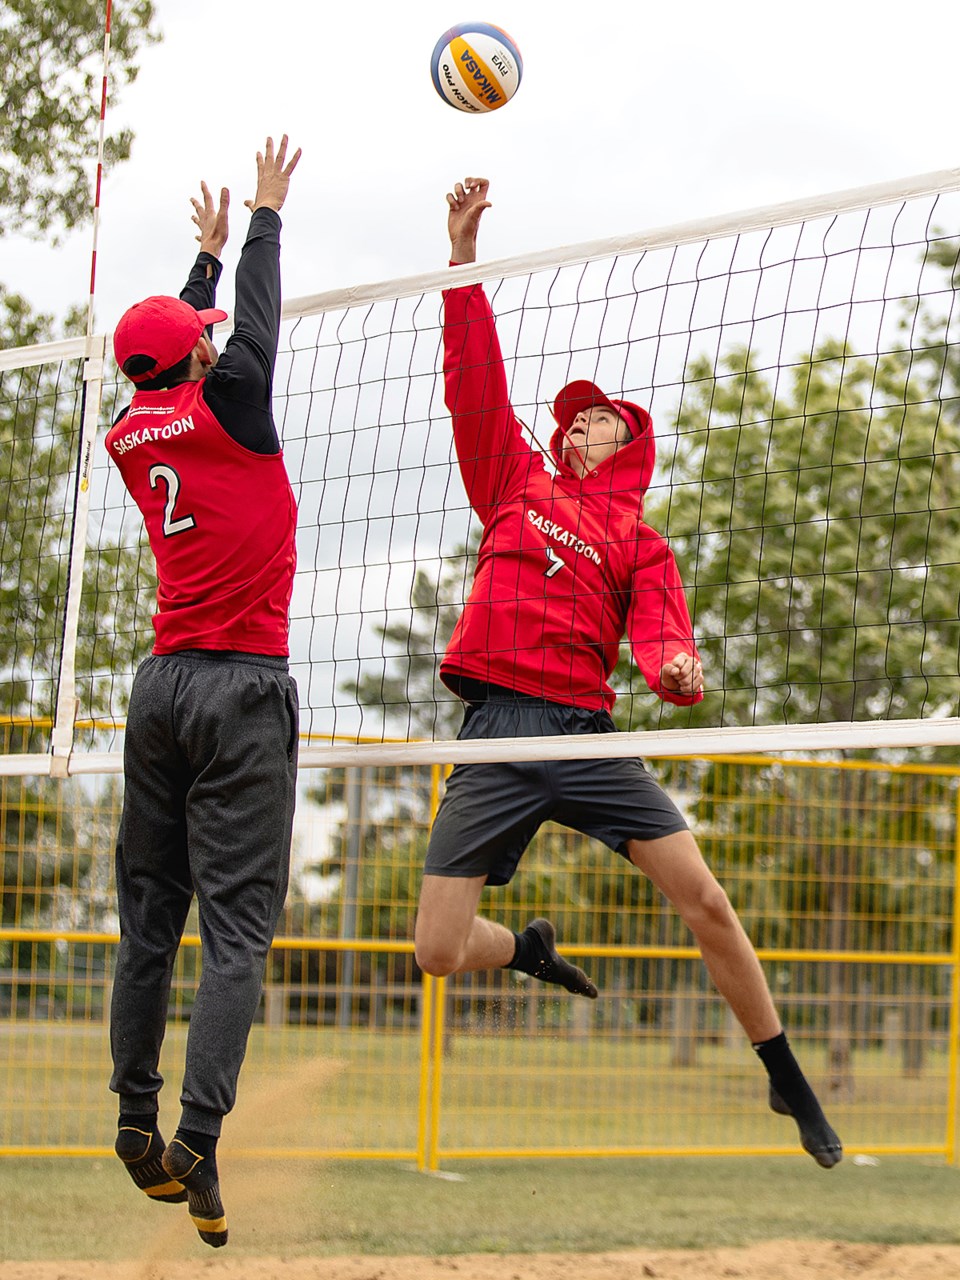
pixel 476 67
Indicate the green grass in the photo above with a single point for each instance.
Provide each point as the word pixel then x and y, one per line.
pixel 323 1088
pixel 334 1091
pixel 85 1209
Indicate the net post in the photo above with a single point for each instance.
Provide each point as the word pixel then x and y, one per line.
pixel 436 1048
pixel 953 1052
pixel 424 1107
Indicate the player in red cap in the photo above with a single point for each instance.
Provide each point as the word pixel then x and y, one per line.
pixel 566 566
pixel 211 737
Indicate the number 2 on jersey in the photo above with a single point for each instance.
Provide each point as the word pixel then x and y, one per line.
pixel 171 480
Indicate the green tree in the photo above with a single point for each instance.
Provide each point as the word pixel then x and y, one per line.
pixel 841 859
pixel 40 414
pixel 51 68
pixel 372 866
pixel 408 687
pixel 816 525
pixel 815 522
pixel 415 704
pixel 50 78
pixel 812 512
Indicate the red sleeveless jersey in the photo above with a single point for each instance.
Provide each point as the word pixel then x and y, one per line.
pixel 221 522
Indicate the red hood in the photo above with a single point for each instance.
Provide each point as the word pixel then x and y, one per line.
pixel 630 469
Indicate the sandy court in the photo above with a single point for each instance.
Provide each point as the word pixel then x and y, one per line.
pixel 772 1260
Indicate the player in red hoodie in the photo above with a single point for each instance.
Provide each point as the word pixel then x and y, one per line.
pixel 566 567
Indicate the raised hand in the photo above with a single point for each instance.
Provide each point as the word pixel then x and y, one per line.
pixel 273 179
pixel 466 203
pixel 213 223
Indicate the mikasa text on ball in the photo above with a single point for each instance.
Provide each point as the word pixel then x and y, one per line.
pixel 476 67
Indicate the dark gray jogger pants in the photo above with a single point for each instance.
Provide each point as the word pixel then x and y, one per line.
pixel 209 792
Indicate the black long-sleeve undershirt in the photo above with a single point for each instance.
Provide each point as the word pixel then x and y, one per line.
pixel 239 387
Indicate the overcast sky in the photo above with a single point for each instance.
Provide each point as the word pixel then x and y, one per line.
pixel 631 115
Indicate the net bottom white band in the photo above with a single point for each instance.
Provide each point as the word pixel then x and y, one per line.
pixel 765 740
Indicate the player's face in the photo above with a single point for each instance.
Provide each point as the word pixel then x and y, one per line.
pixel 593 436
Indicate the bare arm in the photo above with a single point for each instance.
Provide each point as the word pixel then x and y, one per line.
pixel 466 203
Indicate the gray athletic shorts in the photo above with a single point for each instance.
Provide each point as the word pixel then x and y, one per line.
pixel 491 812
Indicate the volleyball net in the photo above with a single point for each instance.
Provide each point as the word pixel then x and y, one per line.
pixel 802 367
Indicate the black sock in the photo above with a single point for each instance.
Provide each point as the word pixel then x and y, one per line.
pixel 140 1146
pixel 536 953
pixel 203 1145
pixel 524 960
pixel 790 1094
pixel 191 1158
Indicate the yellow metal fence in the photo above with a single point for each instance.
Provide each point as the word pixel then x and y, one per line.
pixel 844 874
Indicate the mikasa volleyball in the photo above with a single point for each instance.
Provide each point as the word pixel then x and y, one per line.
pixel 476 67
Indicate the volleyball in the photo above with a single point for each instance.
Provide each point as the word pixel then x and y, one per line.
pixel 476 67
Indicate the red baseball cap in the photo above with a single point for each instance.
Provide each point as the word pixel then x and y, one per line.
pixel 162 329
pixel 578 396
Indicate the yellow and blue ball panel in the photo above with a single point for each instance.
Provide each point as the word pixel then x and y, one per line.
pixel 476 67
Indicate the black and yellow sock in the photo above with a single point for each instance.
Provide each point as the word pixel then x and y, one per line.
pixel 791 1095
pixel 140 1146
pixel 191 1158
pixel 536 953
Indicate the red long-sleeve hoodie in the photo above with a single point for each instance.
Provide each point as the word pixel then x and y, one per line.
pixel 566 566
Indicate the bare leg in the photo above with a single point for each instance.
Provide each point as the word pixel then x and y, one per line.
pixel 677 868
pixel 449 936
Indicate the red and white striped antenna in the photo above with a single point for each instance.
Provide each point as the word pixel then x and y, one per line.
pixel 100 146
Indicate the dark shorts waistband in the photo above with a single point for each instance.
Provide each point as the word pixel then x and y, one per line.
pixel 273 661
pixel 520 716
pixel 477 691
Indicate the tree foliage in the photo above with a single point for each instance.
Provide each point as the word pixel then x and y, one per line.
pixel 407 686
pixel 813 513
pixel 50 67
pixel 50 84
pixel 820 536
pixel 40 417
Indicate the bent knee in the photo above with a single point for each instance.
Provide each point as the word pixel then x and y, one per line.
pixel 436 958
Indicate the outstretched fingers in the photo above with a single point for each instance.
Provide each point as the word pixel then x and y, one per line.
pixel 294 159
pixel 212 220
pixel 200 211
pixel 277 160
pixel 273 174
